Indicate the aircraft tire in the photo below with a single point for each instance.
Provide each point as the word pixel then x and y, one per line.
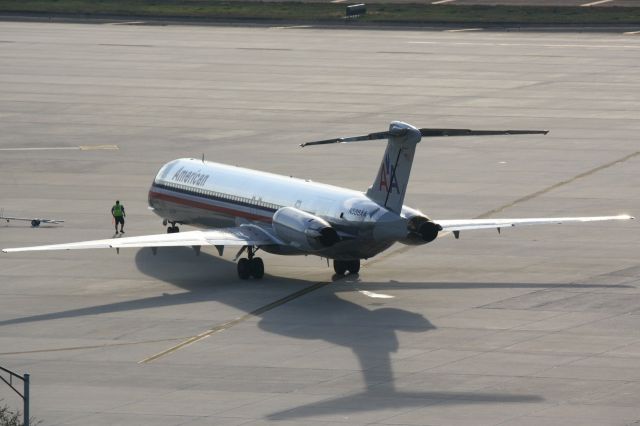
pixel 35 223
pixel 340 267
pixel 244 269
pixel 353 266
pixel 256 266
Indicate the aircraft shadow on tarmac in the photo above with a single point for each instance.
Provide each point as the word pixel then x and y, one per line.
pixel 369 333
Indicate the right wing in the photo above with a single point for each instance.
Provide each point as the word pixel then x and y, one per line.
pixel 471 224
pixel 246 235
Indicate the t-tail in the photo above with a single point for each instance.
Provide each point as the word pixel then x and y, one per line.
pixel 390 186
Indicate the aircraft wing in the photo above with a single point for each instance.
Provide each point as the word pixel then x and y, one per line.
pixel 238 236
pixel 470 224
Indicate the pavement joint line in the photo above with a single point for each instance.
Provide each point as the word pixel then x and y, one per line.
pixel 77 348
pixel 520 200
pixel 229 324
pixel 558 185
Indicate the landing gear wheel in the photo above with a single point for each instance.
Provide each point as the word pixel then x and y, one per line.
pixel 35 223
pixel 244 269
pixel 353 266
pixel 256 266
pixel 340 266
pixel 172 229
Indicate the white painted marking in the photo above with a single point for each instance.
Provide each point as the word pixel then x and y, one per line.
pixel 60 148
pixel 442 1
pixel 586 46
pixel 376 295
pixel 631 33
pixel 292 26
pixel 595 3
pixel 126 23
pixel 338 1
pixel 502 162
pixel 464 29
pixel 98 147
pixel 65 148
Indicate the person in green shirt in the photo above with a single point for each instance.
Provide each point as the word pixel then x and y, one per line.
pixel 117 211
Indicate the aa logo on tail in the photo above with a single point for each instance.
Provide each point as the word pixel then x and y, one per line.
pixel 388 179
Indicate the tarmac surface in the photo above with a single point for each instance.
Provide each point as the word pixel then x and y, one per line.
pixel 533 326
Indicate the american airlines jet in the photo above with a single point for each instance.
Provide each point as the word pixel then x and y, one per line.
pixel 283 215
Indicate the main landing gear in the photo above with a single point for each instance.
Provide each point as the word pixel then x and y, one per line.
pixel 171 229
pixel 342 266
pixel 251 266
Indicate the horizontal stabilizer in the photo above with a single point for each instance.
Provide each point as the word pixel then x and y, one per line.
pixel 468 132
pixel 426 132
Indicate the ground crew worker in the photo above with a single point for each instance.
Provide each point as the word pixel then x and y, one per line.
pixel 117 211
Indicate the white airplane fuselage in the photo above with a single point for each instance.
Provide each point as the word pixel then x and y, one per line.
pixel 213 195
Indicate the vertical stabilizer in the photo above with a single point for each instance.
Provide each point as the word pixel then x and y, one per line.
pixel 390 185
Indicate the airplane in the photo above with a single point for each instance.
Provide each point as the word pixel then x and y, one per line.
pixel 35 221
pixel 283 215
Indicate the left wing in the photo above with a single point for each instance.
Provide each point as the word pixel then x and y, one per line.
pixel 238 236
pixel 469 224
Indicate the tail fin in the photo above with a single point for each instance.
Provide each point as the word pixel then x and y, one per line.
pixel 390 185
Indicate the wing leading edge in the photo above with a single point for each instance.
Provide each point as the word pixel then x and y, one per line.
pixel 238 236
pixel 471 224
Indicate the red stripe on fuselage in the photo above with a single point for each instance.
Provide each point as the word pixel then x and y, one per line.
pixel 206 206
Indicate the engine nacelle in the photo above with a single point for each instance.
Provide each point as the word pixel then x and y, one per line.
pixel 421 230
pixel 303 230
